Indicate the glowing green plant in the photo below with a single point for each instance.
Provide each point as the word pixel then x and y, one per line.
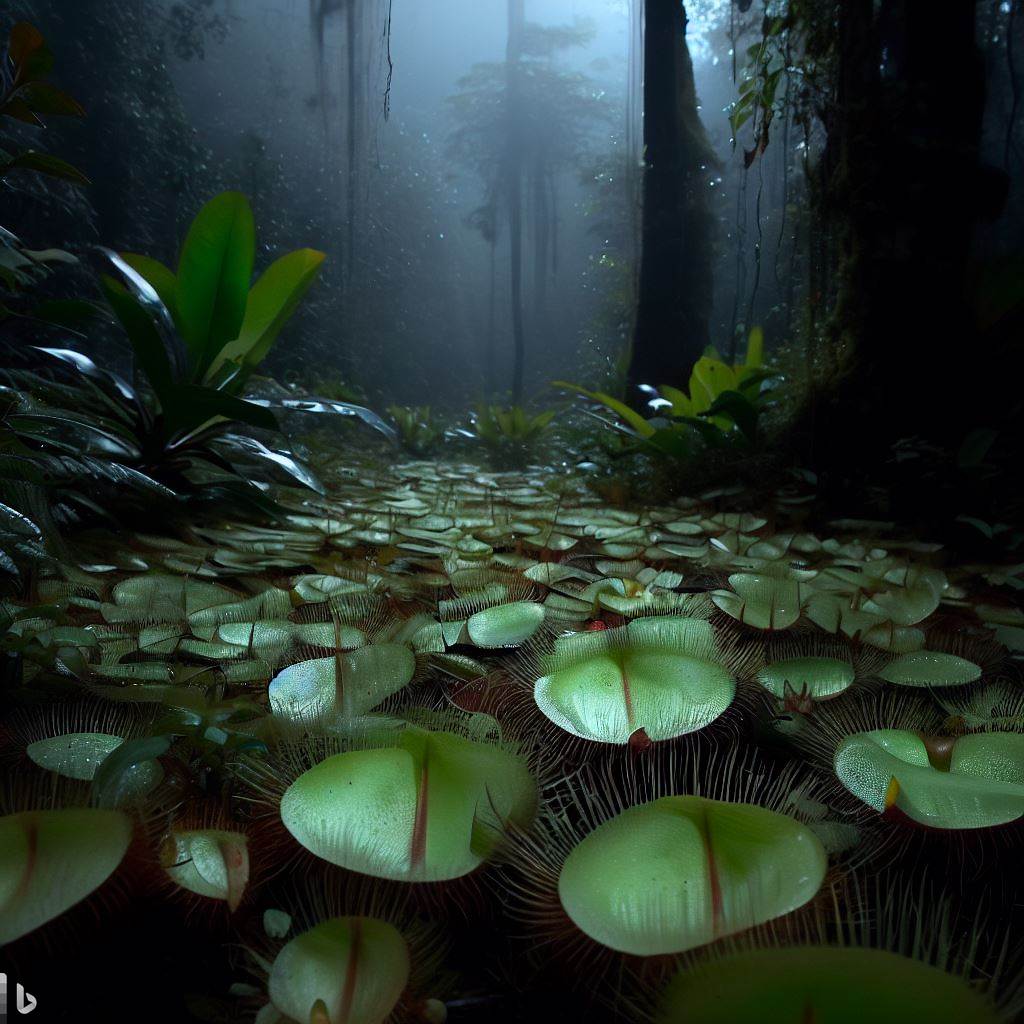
pixel 348 684
pixel 683 871
pixel 493 423
pixel 227 323
pixel 817 678
pixel 426 807
pixel 419 430
pixel 51 860
pixel 723 407
pixel 970 782
pixel 208 862
pixel 661 675
pixel 820 983
pixel 351 969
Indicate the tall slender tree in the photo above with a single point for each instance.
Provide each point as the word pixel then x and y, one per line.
pixel 675 290
pixel 513 170
pixel 518 123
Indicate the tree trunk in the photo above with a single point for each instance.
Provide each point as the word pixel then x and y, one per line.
pixel 514 188
pixel 674 304
pixel 902 182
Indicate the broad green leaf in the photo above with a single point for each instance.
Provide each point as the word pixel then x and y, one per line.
pixel 631 416
pixel 429 808
pixel 736 407
pixel 680 872
pixel 823 984
pixel 187 407
pixel 25 40
pixel 348 970
pixel 161 277
pixel 31 160
pixel 51 860
pixel 755 348
pixel 710 377
pixel 681 404
pixel 45 98
pixel 273 299
pixel 147 345
pixel 214 274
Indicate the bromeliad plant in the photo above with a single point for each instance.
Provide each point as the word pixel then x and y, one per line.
pixel 507 434
pixel 419 430
pixel 199 334
pixel 207 327
pixel 494 424
pixel 84 440
pixel 723 407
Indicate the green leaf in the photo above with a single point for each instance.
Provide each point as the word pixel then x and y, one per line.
pixel 31 160
pixel 214 272
pixel 739 409
pixel 45 98
pixel 681 404
pixel 189 406
pixel 28 53
pixel 162 278
pixel 755 348
pixel 273 299
pixel 108 782
pixel 710 377
pixel 21 111
pixel 145 339
pixel 631 416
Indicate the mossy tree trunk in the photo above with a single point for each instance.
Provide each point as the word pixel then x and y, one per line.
pixel 675 288
pixel 901 182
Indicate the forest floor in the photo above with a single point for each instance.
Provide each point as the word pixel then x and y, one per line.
pixel 588 656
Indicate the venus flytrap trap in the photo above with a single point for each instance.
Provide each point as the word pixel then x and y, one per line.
pixel 206 862
pixel 943 782
pixel 421 799
pixel 709 869
pixel 664 677
pixel 345 950
pixel 876 948
pixel 430 808
pixel 54 859
pixel 634 862
pixel 264 714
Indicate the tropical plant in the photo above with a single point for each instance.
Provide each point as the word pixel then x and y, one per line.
pixel 506 433
pixel 419 430
pixel 199 334
pixel 27 96
pixel 723 407
pixel 494 424
pixel 80 442
pixel 227 324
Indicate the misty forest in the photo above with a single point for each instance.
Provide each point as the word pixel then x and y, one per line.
pixel 511 510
